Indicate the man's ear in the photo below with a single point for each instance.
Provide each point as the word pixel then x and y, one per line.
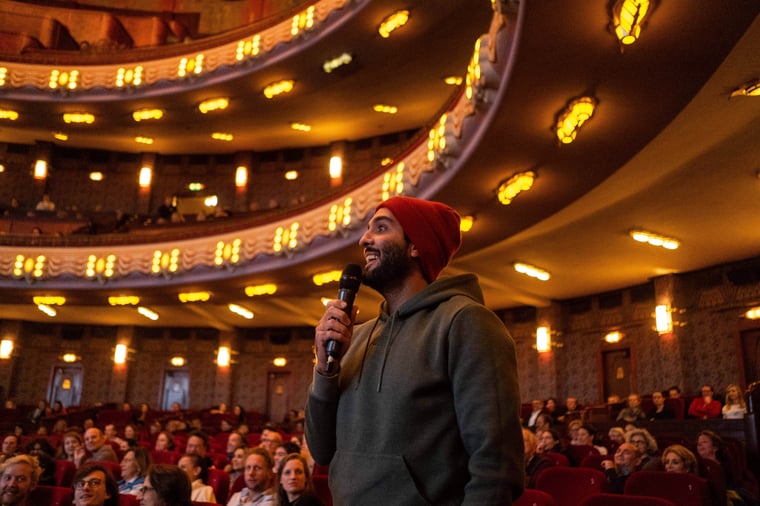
pixel 413 251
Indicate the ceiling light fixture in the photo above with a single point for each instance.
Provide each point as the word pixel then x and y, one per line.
pixel 654 239
pixel 532 271
pixel 291 175
pixel 324 278
pixel 47 310
pixel 147 313
pixel 123 300
pixel 70 358
pixel 49 300
pixel 186 297
pixel 384 108
pixel 214 104
pixel 265 289
pixel 61 136
pixel 301 127
pixel 393 22
pixel 572 117
pixel 8 114
pixel 147 114
pixel 280 362
pixel 516 184
pixel 221 136
pixel 465 224
pixel 196 186
pixel 82 118
pixel 336 62
pixel 144 140
pixel 241 311
pixel 278 88
pixel 96 176
pixel 750 89
pixel 627 18
pixel 453 80
pixel 177 361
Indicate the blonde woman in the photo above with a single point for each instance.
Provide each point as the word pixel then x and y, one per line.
pixel 735 406
pixel 679 459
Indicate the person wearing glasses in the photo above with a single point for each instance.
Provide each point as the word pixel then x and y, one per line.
pixel 94 486
pixel 165 485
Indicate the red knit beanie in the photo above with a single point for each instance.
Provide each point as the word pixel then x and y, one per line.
pixel 432 227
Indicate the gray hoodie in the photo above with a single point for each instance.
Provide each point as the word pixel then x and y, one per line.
pixel 425 409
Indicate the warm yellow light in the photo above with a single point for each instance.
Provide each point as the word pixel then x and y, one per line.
pixel 146 174
pixel 214 104
pixel 186 297
pixel 241 176
pixel 393 22
pixel 78 117
pixel 241 311
pixel 61 136
pixel 278 88
pixel 512 187
pixel 69 358
pixel 147 114
pixel 144 140
pixel 195 187
pixel 129 76
pixel 572 117
pixel 2 167
pixel 663 319
pixel 291 175
pixel 751 89
pixel 465 224
pixel 753 314
pixel 223 356
pixel 385 108
pixel 120 354
pixel 49 300
pixel 96 176
pixel 177 361
pixel 323 278
pixel 222 136
pixel 147 313
pixel 40 169
pixel 47 310
pixel 654 239
pixel 124 300
pixel 280 362
pixel 336 167
pixel 63 79
pixel 190 65
pixel 266 289
pixel 6 349
pixel 532 271
pixel 628 16
pixel 301 127
pixel 336 62
pixel 613 337
pixel 8 114
pixel 453 80
pixel 543 339
pixel 211 201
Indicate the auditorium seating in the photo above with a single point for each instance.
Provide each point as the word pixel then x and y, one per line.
pixel 594 461
pixel 533 497
pixel 219 480
pixel 624 500
pixel 165 456
pixel 113 467
pixel 128 500
pixel 681 488
pixel 238 485
pixel 64 472
pixel 322 490
pixel 559 459
pixel 51 496
pixel 569 485
pixel 576 453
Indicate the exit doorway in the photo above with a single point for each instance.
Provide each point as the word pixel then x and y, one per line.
pixel 66 385
pixel 176 389
pixel 616 365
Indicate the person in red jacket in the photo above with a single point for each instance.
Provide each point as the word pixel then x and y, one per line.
pixel 706 406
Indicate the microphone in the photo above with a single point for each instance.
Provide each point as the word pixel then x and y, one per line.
pixel 349 285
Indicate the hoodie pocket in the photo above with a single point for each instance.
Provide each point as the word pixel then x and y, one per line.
pixel 369 479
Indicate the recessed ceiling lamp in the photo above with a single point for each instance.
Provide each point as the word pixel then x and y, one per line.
pixel 265 289
pixel 654 239
pixel 49 300
pixel 512 187
pixel 147 313
pixel 147 114
pixel 393 22
pixel 81 118
pixel 572 117
pixel 144 140
pixel 336 62
pixel 278 88
pixel 61 136
pixel 214 104
pixel 241 311
pixel 301 127
pixel 221 136
pixel 186 297
pixel 124 300
pixel 385 108
pixel 8 114
pixel 750 89
pixel 532 271
pixel 627 19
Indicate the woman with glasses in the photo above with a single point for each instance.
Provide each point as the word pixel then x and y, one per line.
pixel 94 486
pixel 165 485
pixel 646 444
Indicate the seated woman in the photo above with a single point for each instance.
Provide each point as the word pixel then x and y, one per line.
pixel 616 436
pixel 679 459
pixel 586 436
pixel 296 487
pixel 549 441
pixel 72 441
pixel 647 446
pixel 197 473
pixel 164 442
pixel 165 485
pixel 534 462
pixel 134 465
pixel 237 464
pixel 735 407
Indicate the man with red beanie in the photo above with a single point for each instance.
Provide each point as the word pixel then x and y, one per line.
pixel 424 405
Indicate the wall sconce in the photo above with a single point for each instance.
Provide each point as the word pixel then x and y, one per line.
pixel 512 187
pixel 223 356
pixel 241 176
pixel 572 117
pixel 70 358
pixel 6 349
pixel 280 362
pixel 663 319
pixel 613 337
pixel 543 339
pixel 751 314
pixel 627 18
pixel 40 169
pixel 177 361
pixel 146 173
pixel 120 354
pixel 751 89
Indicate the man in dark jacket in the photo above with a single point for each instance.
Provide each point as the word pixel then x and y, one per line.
pixel 424 405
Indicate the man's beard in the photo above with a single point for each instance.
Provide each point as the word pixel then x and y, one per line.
pixel 394 265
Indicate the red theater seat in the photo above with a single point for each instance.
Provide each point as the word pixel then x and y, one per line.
pixel 532 497
pixel 51 496
pixel 624 500
pixel 569 485
pixel 680 488
pixel 64 472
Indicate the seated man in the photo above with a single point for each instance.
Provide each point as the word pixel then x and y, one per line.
pixel 270 439
pixel 538 408
pixel 627 460
pixel 197 444
pixel 632 413
pixel 18 477
pixel 94 486
pixel 96 448
pixel 9 448
pixel 259 480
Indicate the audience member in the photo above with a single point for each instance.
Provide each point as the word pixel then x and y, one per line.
pixel 270 438
pixel 552 408
pixel 134 465
pixel 197 444
pixel 679 459
pixel 57 409
pixel 10 447
pixel 626 460
pixel 164 442
pixel 67 450
pixel 706 406
pixel 96 449
pixel 236 467
pixel 94 486
pixel 39 412
pixel 40 449
pixel 534 462
pixel 735 406
pixel 112 435
pixel 710 446
pixel 632 412
pixel 674 392
pixel 616 436
pixel 192 465
pixel 282 451
pixel 660 411
pixel 18 477
pixel 259 479
pixel 543 422
pixel 234 441
pixel 646 444
pixel 538 408
pixel 570 410
pixel 46 204
pixel 572 430
pixel 166 210
pixel 586 436
pixel 239 413
pixel 165 485
pixel 130 436
pixel 549 441
pixel 295 485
